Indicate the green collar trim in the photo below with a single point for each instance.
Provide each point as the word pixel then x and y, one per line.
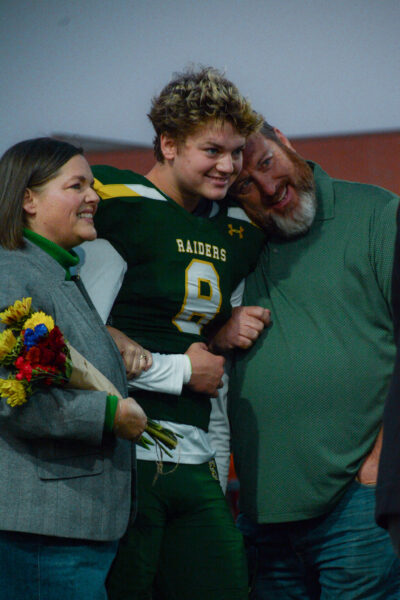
pixel 65 258
pixel 325 193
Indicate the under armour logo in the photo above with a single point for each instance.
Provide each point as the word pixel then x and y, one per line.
pixel 239 231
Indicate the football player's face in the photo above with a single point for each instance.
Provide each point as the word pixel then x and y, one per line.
pixel 207 162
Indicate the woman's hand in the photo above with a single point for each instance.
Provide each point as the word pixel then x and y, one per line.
pixel 136 358
pixel 130 420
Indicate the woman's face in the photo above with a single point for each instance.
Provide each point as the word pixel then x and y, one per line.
pixel 207 162
pixel 62 210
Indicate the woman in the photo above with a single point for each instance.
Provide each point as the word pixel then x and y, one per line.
pixel 65 474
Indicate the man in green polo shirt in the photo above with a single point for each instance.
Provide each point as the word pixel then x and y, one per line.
pixel 307 400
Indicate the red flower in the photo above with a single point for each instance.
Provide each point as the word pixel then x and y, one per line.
pixel 47 356
pixel 24 369
pixel 51 371
pixel 60 361
pixel 55 339
pixel 33 355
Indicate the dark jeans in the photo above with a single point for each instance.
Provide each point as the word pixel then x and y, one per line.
pixel 341 555
pixel 39 567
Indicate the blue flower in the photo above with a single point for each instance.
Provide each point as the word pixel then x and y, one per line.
pixel 32 336
pixel 41 331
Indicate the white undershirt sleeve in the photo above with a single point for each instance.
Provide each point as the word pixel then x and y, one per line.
pixel 218 429
pixel 168 373
pixel 102 270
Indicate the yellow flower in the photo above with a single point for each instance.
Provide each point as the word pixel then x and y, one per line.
pixel 19 310
pixel 13 390
pixel 39 318
pixel 7 343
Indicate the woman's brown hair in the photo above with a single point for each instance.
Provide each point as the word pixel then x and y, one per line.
pixel 28 164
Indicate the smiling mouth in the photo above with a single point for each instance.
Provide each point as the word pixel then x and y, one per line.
pixel 282 199
pixel 219 180
pixel 86 215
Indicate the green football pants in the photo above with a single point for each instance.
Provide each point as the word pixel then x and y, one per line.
pixel 183 544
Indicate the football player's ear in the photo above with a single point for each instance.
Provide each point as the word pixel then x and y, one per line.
pixel 169 146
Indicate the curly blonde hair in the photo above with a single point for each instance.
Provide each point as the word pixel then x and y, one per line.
pixel 192 99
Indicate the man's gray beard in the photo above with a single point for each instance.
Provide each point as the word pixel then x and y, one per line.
pixel 298 222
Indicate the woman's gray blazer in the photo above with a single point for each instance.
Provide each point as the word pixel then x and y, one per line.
pixel 60 474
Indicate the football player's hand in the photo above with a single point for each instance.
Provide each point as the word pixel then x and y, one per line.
pixel 242 329
pixel 136 358
pixel 207 370
pixel 130 420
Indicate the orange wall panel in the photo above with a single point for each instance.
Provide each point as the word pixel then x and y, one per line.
pixel 138 159
pixel 368 158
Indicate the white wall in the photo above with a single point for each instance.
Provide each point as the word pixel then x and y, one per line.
pixel 90 67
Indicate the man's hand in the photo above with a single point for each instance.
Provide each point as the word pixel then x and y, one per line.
pixel 242 329
pixel 136 359
pixel 368 472
pixel 130 420
pixel 207 370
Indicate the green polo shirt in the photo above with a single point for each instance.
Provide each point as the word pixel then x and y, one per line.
pixel 306 401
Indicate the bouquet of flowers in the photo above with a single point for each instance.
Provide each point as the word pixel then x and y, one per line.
pixel 37 355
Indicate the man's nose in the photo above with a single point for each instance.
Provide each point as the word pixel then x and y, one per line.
pixel 267 185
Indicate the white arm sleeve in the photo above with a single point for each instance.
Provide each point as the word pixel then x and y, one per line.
pixel 237 295
pixel 219 432
pixel 168 373
pixel 102 270
pixel 218 429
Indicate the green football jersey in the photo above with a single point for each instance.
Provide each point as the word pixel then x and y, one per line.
pixel 182 270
